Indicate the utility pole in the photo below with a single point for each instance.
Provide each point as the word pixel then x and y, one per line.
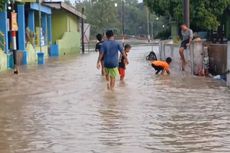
pixel 40 54
pixel 148 28
pixel 82 31
pixel 123 20
pixel 40 25
pixel 186 12
pixel 14 30
pixel 152 32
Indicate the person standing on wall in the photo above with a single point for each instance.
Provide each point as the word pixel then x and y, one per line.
pixel 187 36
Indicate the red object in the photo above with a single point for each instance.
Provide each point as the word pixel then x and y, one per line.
pixel 13 33
pixel 122 72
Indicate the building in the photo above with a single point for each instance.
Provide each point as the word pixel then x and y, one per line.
pixel 37 39
pixel 66 27
pixel 51 26
pixel 28 33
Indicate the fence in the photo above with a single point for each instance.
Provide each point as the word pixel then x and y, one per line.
pixel 194 56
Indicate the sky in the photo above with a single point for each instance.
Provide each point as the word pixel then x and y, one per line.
pixel 127 0
pixel 74 0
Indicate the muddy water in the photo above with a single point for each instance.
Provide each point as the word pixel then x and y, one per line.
pixel 64 107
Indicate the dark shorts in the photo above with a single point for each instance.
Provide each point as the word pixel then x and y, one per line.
pixel 184 44
pixel 157 68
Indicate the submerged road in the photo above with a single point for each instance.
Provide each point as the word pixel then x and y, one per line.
pixel 64 107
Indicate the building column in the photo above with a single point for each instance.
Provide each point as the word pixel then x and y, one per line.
pixel 4 28
pixel 22 32
pixel 31 21
pixel 21 27
pixel 49 30
pixel 44 27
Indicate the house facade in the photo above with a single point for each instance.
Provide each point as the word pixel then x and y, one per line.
pixel 41 27
pixel 66 27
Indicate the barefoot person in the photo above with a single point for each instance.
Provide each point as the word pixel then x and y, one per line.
pixel 98 49
pixel 109 50
pixel 187 36
pixel 162 66
pixel 122 62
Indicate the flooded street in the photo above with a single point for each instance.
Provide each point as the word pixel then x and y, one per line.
pixel 64 107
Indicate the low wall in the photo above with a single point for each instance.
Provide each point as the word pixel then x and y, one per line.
pixel 228 64
pixel 69 44
pixel 3 61
pixel 217 58
pixel 193 56
pixel 32 52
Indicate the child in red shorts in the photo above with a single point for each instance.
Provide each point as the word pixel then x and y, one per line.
pixel 122 62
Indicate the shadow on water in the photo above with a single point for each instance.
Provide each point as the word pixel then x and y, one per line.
pixel 64 107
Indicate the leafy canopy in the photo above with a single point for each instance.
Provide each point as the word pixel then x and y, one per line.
pixel 204 14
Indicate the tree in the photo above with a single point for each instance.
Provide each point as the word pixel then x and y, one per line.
pixel 101 15
pixel 104 14
pixel 205 14
pixel 2 4
pixel 68 2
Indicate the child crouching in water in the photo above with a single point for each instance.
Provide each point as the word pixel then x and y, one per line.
pixel 122 62
pixel 162 66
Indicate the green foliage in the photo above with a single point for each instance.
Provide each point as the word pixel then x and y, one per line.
pixel 205 14
pixel 170 8
pixel 67 2
pixel 2 4
pixel 102 15
pixel 164 34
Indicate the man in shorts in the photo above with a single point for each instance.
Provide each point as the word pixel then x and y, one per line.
pixel 109 50
pixel 187 36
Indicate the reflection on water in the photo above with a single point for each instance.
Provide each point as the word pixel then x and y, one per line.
pixel 64 107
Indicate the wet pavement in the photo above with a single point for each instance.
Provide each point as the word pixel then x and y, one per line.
pixel 64 107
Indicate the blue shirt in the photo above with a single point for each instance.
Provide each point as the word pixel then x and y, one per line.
pixel 110 49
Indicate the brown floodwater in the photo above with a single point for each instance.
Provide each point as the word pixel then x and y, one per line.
pixel 64 107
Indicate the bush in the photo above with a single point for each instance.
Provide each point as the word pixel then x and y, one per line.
pixel 164 34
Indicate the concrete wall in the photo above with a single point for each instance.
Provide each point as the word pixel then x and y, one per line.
pixel 72 23
pixel 3 61
pixel 193 56
pixel 66 32
pixel 32 52
pixel 196 57
pixel 59 24
pixel 69 44
pixel 217 58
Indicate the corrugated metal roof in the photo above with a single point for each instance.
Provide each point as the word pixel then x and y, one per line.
pixel 62 5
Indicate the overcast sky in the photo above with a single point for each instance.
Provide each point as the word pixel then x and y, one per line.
pixel 127 0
